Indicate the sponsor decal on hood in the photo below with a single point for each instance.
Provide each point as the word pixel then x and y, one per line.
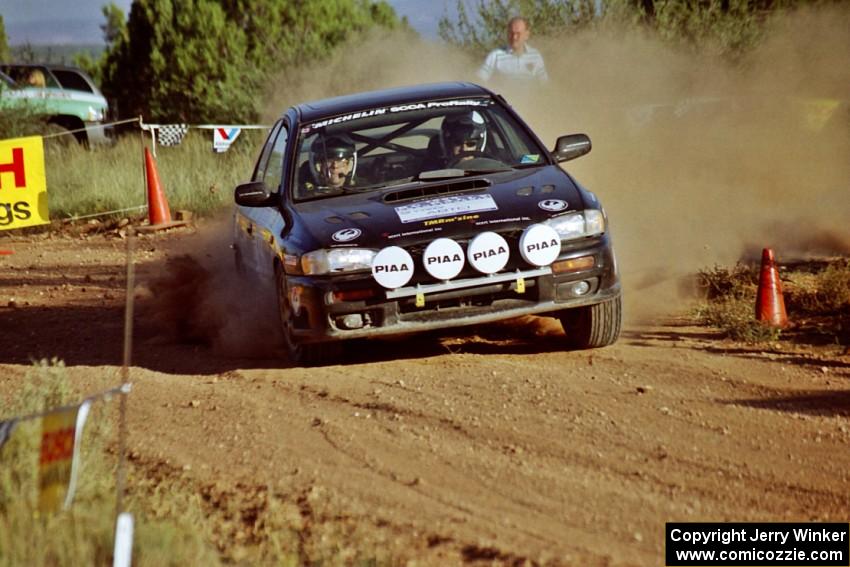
pixel 446 207
pixel 553 205
pixel 346 234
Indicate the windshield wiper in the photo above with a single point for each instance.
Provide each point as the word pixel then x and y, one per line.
pixel 482 171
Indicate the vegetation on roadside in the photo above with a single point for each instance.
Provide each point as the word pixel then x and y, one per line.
pixel 83 182
pixel 816 294
pixel 82 535
pixel 209 60
pixel 4 42
pixel 730 27
pixel 177 522
pixel 24 120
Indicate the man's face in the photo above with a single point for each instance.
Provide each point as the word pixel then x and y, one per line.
pixel 517 35
pixel 336 170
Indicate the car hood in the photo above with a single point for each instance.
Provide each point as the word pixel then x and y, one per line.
pixel 454 208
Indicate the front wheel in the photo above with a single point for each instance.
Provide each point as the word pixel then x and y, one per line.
pixel 593 326
pixel 302 354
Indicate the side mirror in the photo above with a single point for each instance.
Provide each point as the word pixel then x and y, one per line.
pixel 252 194
pixel 570 147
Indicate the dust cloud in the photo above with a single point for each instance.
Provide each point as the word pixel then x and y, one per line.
pixel 697 161
pixel 198 297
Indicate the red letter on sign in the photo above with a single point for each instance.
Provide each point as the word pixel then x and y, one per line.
pixel 16 167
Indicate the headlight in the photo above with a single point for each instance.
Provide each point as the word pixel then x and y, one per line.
pixel 95 115
pixel 331 260
pixel 578 225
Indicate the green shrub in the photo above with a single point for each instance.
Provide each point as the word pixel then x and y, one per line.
pixel 721 282
pixel 834 286
pixel 735 317
pixel 23 120
pixel 824 292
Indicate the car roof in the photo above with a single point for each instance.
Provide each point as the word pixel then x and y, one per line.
pixel 316 110
pixel 46 65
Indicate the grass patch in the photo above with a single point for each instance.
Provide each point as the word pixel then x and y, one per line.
pixel 736 318
pixel 816 294
pixel 729 305
pixel 178 520
pixel 83 534
pixel 108 178
pixel 825 292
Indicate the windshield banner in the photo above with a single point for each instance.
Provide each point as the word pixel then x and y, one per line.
pixel 23 184
pixel 394 109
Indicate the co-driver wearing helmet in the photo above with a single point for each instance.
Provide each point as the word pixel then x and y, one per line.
pixel 332 163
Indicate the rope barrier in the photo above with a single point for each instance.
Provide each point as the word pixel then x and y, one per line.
pixel 105 213
pixel 67 132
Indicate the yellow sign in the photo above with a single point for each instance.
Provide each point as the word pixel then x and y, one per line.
pixel 54 463
pixel 23 184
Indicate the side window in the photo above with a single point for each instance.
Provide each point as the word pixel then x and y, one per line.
pixel 260 172
pixel 274 168
pixel 516 143
pixel 72 80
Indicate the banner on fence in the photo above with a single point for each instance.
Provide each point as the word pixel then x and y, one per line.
pixel 23 184
pixel 60 436
pixel 6 428
pixel 172 134
pixel 223 137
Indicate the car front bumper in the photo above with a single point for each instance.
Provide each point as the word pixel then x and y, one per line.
pixel 321 315
pixel 98 134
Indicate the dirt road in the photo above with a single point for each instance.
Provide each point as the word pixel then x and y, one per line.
pixel 492 445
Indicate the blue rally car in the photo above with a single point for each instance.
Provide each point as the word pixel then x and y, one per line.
pixel 420 208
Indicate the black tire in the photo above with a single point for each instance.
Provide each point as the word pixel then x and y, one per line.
pixel 302 354
pixel 593 326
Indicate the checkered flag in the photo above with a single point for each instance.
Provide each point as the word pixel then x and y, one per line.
pixel 171 134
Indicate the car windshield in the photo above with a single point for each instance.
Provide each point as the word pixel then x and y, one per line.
pixel 373 148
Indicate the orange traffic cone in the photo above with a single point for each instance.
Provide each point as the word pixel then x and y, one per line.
pixel 158 211
pixel 770 306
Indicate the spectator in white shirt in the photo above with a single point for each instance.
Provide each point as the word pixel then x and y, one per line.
pixel 516 61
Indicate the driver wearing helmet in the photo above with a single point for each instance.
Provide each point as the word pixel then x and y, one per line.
pixel 463 136
pixel 332 163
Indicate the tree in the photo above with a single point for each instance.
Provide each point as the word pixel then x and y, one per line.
pixel 485 29
pixel 115 27
pixel 207 60
pixel 728 26
pixel 181 60
pixel 5 54
pixel 114 31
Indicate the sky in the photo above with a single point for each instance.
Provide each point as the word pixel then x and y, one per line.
pixel 41 22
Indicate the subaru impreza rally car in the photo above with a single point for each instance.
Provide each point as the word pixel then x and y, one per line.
pixel 422 208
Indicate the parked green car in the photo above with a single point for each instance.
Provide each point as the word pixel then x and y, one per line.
pixel 66 95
